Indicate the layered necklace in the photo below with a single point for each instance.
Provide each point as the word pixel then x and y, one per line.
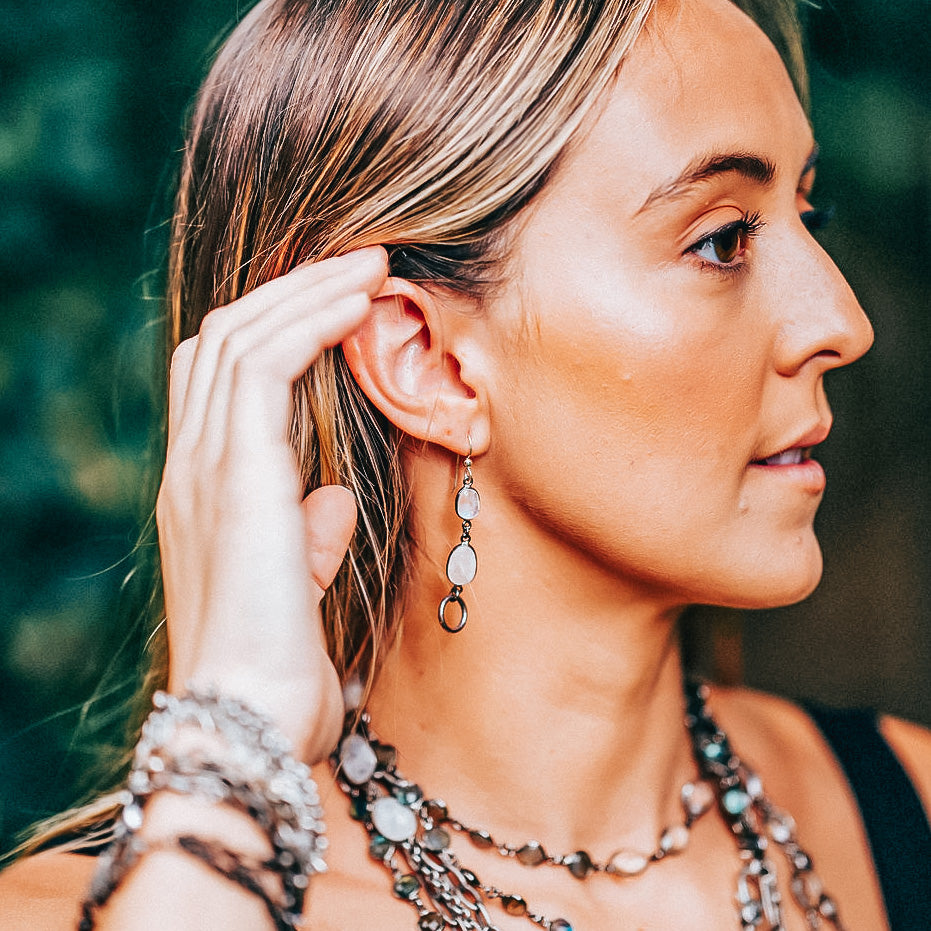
pixel 410 834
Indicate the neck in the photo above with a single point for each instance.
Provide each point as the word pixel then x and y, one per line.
pixel 556 714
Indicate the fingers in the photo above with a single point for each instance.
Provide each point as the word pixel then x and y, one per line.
pixel 181 361
pixel 245 561
pixel 329 520
pixel 256 347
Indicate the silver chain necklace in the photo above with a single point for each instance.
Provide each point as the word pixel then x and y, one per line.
pixel 410 835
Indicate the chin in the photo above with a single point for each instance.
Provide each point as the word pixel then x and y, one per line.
pixel 777 582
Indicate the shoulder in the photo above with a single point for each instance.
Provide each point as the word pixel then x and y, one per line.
pixel 44 892
pixel 773 727
pixel 787 728
pixel 779 740
pixel 782 730
pixel 911 743
pixel 784 741
pixel 801 775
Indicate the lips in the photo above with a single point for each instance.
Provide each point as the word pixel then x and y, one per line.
pixel 794 456
pixel 799 451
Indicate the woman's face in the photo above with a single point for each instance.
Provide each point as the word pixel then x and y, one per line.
pixel 668 326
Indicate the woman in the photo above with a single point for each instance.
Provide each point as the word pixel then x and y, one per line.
pixel 601 309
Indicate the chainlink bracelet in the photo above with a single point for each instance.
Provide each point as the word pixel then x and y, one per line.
pixel 253 771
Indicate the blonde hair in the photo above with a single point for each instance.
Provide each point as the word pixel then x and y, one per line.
pixel 425 126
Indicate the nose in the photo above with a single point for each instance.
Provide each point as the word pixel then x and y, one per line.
pixel 822 324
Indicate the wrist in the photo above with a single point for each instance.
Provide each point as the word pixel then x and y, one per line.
pixel 229 765
pixel 308 710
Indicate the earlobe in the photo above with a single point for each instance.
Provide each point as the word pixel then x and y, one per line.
pixel 404 357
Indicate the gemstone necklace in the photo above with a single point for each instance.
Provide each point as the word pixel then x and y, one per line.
pixel 410 835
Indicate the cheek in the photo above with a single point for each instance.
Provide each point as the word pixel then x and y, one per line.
pixel 634 383
pixel 624 429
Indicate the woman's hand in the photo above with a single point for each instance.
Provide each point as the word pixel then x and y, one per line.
pixel 245 561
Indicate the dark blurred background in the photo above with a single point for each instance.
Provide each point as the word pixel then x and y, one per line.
pixel 92 95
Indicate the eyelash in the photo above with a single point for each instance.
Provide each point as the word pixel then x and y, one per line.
pixel 744 229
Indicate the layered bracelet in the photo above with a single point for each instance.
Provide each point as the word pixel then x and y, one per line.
pixel 243 762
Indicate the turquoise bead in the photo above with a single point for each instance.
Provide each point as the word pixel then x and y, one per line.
pixel 735 801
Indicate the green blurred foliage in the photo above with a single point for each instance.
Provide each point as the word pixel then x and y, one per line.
pixel 91 102
pixel 92 94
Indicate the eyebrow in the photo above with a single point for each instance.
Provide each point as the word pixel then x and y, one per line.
pixel 755 168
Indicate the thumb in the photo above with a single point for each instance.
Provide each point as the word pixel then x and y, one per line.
pixel 329 520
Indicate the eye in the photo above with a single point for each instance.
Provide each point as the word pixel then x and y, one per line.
pixel 725 247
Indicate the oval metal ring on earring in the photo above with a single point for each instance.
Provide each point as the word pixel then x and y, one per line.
pixel 454 597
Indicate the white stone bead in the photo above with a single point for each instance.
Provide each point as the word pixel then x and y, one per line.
pixel 461 565
pixel 811 888
pixel 697 798
pixel 393 820
pixel 627 863
pixel 781 827
pixel 357 759
pixel 674 839
pixel 132 817
pixel 468 503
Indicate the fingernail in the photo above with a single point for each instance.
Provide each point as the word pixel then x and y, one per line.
pixel 368 254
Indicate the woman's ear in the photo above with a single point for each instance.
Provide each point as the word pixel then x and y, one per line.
pixel 406 358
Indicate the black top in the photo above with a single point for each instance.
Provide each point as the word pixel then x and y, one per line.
pixel 895 821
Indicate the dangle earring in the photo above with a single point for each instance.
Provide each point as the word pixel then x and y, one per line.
pixel 462 563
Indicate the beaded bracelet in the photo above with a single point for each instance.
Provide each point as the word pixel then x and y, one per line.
pixel 254 772
pixel 244 872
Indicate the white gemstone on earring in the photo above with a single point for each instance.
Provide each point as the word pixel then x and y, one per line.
pixel 392 820
pixel 462 564
pixel 352 693
pixel 357 759
pixel 468 503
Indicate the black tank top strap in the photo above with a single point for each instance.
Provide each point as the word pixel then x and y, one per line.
pixel 895 821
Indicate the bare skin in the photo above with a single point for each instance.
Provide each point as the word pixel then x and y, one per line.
pixel 620 395
pixel 43 892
